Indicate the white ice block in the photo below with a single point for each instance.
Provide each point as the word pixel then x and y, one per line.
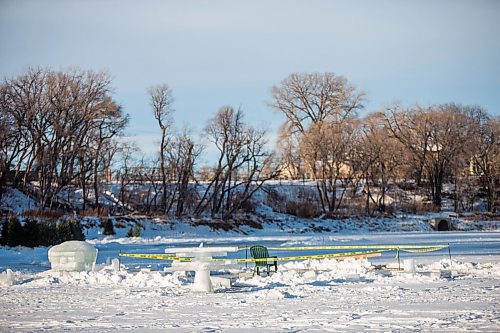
pixel 73 256
pixel 409 266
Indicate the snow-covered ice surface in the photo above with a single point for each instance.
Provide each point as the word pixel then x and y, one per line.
pixel 303 296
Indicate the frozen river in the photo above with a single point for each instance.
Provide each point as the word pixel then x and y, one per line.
pixel 465 246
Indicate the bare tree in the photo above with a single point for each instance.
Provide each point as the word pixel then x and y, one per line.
pixel 108 125
pixel 486 160
pixel 412 128
pixel 239 171
pixel 378 158
pixel 124 173
pixel 306 98
pixel 22 105
pixel 182 155
pixel 326 148
pixel 146 173
pixel 56 117
pixel 319 109
pixel 437 137
pixel 161 101
pixel 450 131
pixel 288 145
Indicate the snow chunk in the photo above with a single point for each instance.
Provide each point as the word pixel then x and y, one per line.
pixel 73 256
pixel 7 278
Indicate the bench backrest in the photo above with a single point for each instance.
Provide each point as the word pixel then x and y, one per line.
pixel 258 252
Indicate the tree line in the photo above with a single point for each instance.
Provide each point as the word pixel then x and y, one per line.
pixel 58 128
pixel 61 130
pixel 243 162
pixel 324 137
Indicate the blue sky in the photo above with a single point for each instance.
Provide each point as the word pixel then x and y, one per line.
pixel 215 53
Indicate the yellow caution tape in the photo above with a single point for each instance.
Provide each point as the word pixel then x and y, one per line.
pixel 425 250
pixel 355 247
pixel 158 256
pixel 314 256
pixel 368 250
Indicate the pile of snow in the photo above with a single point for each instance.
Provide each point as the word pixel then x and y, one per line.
pixel 10 278
pixel 108 277
pixel 102 276
pixel 475 269
pixel 314 272
pixel 297 274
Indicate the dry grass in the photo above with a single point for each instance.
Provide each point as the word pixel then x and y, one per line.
pixel 227 225
pixel 50 214
pixel 100 212
pixel 419 207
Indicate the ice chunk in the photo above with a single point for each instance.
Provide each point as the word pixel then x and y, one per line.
pixel 73 256
pixel 115 263
pixel 220 282
pixel 7 278
pixel 409 266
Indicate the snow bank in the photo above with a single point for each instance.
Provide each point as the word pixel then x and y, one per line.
pixel 109 277
pixel 487 269
pixel 329 272
pixel 314 272
pixel 295 273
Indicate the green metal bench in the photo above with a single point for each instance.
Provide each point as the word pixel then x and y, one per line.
pixel 260 252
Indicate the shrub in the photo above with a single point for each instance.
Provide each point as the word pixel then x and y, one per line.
pixel 135 231
pixel 53 214
pixel 48 233
pixel 119 225
pixel 4 236
pixel 76 230
pixel 302 208
pixel 419 207
pixel 248 206
pixel 15 232
pixel 275 200
pixel 45 233
pixel 390 209
pixel 64 231
pixel 108 227
pixel 101 212
pixel 31 233
pixel 407 186
pixel 352 207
